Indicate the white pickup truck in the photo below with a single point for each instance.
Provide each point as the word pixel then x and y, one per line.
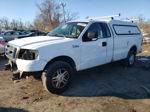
pixel 75 46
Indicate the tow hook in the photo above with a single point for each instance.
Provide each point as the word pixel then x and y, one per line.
pixel 17 75
pixel 7 66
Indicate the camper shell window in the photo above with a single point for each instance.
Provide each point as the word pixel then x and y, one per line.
pixel 126 29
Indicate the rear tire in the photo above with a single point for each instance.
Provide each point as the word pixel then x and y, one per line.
pixel 130 60
pixel 57 77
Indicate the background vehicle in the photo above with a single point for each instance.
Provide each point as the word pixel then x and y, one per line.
pixel 11 35
pixel 146 39
pixel 31 33
pixel 2 45
pixel 75 46
pixel 1 32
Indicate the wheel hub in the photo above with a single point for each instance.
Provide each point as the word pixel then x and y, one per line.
pixel 60 78
pixel 131 59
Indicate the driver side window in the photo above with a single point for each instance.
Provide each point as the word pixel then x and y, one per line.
pixel 93 33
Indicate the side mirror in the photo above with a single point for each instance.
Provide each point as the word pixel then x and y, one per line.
pixel 92 35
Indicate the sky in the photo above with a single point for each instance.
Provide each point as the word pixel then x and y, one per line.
pixel 26 10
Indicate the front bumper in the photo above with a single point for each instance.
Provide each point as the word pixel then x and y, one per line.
pixel 20 64
pixel 26 65
pixel 30 65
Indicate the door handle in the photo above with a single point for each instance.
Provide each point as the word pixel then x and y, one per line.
pixel 75 46
pixel 104 43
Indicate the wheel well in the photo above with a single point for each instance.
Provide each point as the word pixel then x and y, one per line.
pixel 134 48
pixel 63 58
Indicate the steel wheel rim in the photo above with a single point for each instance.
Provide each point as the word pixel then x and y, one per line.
pixel 60 78
pixel 131 59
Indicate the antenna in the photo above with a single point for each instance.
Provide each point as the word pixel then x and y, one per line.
pixel 112 17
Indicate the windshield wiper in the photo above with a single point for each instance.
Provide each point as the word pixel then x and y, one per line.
pixel 58 35
pixel 72 37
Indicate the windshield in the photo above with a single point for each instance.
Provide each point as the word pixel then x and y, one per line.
pixel 69 30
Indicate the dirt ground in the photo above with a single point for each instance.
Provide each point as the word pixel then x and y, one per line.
pixel 108 88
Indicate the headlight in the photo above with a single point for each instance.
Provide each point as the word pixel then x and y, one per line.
pixel 28 54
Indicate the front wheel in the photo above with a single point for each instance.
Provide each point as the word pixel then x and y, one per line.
pixel 57 77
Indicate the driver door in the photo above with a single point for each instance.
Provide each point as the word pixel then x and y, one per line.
pixel 93 51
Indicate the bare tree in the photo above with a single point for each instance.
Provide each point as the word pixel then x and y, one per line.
pixel 6 24
pixel 144 24
pixel 14 24
pixel 50 15
pixel 70 16
pixel 21 25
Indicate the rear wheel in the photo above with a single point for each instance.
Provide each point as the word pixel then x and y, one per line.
pixel 130 58
pixel 57 77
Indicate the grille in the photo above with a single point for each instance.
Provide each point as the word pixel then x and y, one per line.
pixel 10 51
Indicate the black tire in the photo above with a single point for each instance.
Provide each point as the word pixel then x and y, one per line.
pixel 130 60
pixel 50 77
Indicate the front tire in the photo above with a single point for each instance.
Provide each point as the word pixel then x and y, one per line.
pixel 57 77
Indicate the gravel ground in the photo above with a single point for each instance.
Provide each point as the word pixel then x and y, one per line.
pixel 108 88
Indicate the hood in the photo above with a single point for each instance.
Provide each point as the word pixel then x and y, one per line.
pixel 38 41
